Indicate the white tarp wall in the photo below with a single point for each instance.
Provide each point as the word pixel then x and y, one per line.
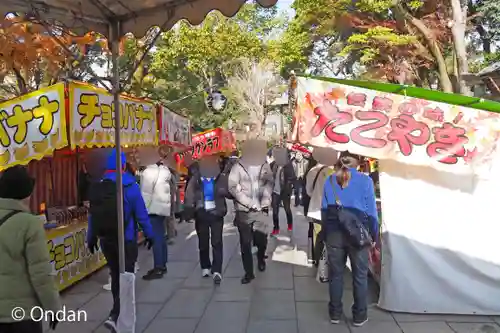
pixel 441 240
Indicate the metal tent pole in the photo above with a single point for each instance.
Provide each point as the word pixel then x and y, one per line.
pixel 114 38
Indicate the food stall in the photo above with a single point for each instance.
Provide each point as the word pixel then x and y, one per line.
pixel 53 131
pixel 174 137
pixel 439 167
pixel 217 141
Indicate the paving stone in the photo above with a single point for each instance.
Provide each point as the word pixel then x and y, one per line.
pixel 77 327
pixel 145 313
pixel 158 291
pixel 98 308
pixel 180 269
pixel 224 317
pixel 475 327
pixel 410 317
pixel 195 280
pixel 277 276
pixel 274 326
pixel 92 284
pixel 231 290
pixel 308 289
pixel 76 301
pixel 162 325
pixel 426 327
pixel 304 271
pixel 378 327
pixel 187 303
pixel 273 304
pixel 313 318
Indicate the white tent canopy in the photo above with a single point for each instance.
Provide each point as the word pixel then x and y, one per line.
pixel 133 16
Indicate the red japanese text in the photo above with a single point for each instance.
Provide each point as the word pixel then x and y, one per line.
pixel 402 132
pixel 448 144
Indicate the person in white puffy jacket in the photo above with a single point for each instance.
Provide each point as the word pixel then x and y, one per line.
pixel 155 188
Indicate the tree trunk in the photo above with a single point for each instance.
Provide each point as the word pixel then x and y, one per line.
pixel 458 28
pixel 483 34
pixel 432 44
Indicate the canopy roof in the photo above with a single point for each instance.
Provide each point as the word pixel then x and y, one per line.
pixel 134 16
pixel 431 95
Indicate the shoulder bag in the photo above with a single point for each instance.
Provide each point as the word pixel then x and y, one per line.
pixel 349 222
pixel 8 216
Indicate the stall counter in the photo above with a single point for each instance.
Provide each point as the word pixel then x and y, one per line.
pixel 70 258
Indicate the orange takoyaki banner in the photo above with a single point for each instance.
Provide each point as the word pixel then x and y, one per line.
pixel 91 118
pixel 32 126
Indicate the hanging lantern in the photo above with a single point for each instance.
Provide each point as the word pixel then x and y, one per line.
pixel 216 101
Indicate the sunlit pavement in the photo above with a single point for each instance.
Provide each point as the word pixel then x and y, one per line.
pixel 284 299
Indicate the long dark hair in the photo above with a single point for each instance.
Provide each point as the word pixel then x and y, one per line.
pixel 345 162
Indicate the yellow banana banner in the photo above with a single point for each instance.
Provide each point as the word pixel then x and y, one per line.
pixel 92 118
pixel 32 126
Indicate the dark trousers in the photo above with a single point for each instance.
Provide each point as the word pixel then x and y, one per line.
pixel 277 199
pixel 209 230
pixel 110 251
pixel 26 326
pixel 251 228
pixel 338 250
pixel 299 191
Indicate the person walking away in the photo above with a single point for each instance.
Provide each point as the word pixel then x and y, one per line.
pixel 155 189
pixel 175 202
pixel 300 167
pixel 26 279
pixel 353 193
pixel 206 199
pixel 315 181
pixel 284 178
pixel 192 172
pixel 306 198
pixel 103 226
pixel 251 184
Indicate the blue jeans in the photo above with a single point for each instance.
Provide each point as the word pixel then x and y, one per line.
pixel 338 250
pixel 160 249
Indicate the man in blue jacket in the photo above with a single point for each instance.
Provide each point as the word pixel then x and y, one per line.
pixel 103 225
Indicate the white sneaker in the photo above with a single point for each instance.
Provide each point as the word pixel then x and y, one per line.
pixel 217 278
pixel 359 323
pixel 111 325
pixel 107 286
pixel 205 272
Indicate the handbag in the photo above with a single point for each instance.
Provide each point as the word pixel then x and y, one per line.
pixel 350 224
pixel 322 273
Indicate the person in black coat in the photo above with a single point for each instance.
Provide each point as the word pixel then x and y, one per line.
pixel 284 178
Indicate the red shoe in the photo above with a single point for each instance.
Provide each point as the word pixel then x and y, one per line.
pixel 290 227
pixel 275 232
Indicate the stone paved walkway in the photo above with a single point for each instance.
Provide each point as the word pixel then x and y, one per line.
pixel 284 299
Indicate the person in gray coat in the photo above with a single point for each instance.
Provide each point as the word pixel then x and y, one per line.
pixel 251 183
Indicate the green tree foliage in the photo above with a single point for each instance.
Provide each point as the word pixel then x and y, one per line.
pixel 190 60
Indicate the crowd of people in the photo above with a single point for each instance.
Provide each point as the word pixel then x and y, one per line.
pixel 151 203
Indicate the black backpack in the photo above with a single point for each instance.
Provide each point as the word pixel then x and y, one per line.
pixel 223 177
pixel 104 210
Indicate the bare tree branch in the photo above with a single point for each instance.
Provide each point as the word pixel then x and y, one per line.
pixel 253 87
